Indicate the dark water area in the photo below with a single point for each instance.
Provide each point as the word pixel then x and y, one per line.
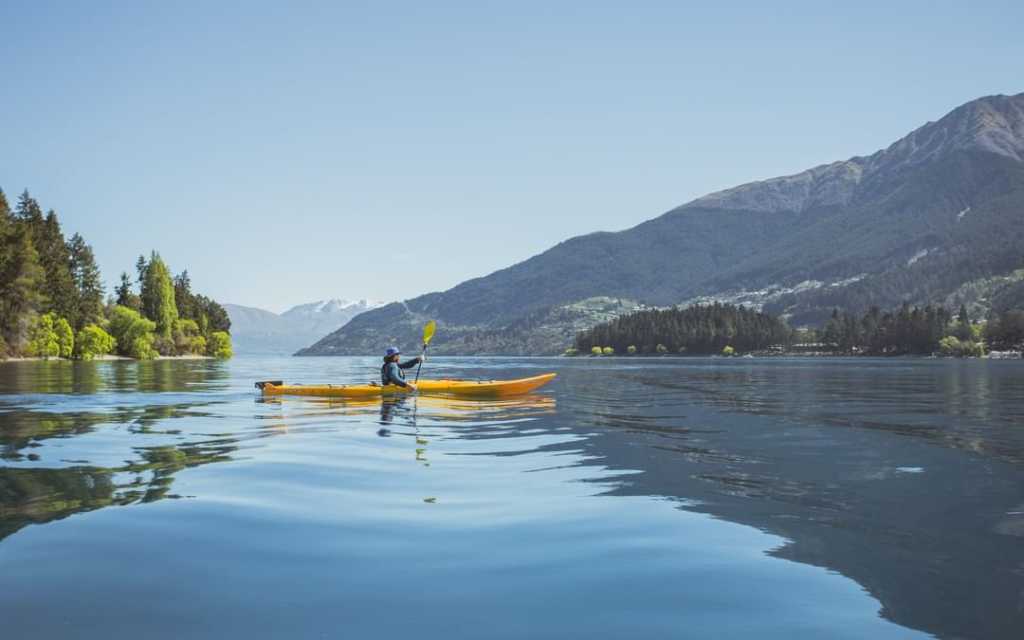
pixel 654 498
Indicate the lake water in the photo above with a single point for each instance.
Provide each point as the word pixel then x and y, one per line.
pixel 656 498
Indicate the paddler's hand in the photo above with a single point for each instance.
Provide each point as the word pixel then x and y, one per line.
pixel 411 386
pixel 423 358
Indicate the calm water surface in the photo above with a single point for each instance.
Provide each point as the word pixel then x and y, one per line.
pixel 667 498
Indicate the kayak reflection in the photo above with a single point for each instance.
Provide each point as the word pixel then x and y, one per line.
pixel 409 410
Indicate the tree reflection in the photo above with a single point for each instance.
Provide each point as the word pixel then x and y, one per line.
pixel 38 496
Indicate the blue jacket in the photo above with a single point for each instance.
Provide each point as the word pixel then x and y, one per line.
pixel 392 372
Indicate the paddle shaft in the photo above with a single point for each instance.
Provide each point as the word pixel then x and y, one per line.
pixel 420 365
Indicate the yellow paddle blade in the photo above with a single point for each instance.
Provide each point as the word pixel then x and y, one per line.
pixel 428 332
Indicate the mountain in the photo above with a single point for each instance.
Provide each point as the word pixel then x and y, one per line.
pixel 934 218
pixel 258 331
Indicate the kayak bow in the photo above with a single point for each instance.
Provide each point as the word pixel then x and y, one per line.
pixel 462 388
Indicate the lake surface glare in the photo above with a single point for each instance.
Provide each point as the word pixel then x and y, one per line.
pixel 630 498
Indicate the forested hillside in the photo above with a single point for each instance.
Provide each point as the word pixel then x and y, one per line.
pixel 53 303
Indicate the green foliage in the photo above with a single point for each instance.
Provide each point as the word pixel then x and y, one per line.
pixel 87 280
pixel 950 346
pixel 697 329
pixel 608 351
pixel 21 276
pixel 133 333
pixel 953 346
pixel 42 338
pixel 595 351
pixel 93 341
pixel 187 338
pixel 183 296
pixel 125 296
pixel 142 347
pixel 211 313
pixel 727 350
pixel 198 345
pixel 978 332
pixel 65 337
pixel 158 296
pixel 219 345
pixel 906 331
pixel 571 351
pixel 631 349
pixel 1005 331
pixel 42 275
pixel 59 291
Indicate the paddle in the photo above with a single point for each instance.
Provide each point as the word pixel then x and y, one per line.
pixel 428 333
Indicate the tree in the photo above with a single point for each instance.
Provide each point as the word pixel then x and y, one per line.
pixel 962 330
pixel 158 297
pixel 219 345
pixel 727 350
pixel 696 329
pixel 21 279
pixel 608 351
pixel 43 341
pixel 88 282
pixel 595 351
pixel 29 211
pixel 59 288
pixel 1006 330
pixel 65 337
pixel 183 296
pixel 631 349
pixel 134 334
pixel 211 313
pixel 93 341
pixel 187 338
pixel 140 270
pixel 125 296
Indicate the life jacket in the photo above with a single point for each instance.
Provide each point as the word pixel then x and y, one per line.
pixel 385 379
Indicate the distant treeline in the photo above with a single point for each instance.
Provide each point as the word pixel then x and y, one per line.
pixel 52 299
pixel 916 331
pixel 723 328
pixel 694 330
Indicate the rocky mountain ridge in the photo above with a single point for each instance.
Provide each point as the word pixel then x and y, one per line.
pixel 936 210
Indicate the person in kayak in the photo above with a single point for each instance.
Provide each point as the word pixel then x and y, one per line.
pixel 393 371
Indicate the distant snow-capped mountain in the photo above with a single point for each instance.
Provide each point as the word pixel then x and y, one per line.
pixel 258 331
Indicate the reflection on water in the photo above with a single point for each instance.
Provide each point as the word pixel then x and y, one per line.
pixel 849 498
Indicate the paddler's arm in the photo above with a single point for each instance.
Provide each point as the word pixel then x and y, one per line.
pixel 412 363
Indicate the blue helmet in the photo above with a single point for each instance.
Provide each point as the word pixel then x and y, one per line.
pixel 392 351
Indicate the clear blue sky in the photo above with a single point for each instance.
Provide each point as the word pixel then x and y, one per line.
pixel 286 152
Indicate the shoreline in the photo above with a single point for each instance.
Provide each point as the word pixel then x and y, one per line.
pixel 105 358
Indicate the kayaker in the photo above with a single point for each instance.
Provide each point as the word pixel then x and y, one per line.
pixel 392 371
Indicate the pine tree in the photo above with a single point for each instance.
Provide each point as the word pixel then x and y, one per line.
pixel 140 269
pixel 88 282
pixel 125 296
pixel 59 285
pixel 183 296
pixel 158 296
pixel 21 278
pixel 29 210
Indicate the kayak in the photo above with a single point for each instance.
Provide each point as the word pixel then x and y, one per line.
pixel 462 388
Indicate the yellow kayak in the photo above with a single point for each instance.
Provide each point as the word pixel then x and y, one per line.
pixel 462 388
